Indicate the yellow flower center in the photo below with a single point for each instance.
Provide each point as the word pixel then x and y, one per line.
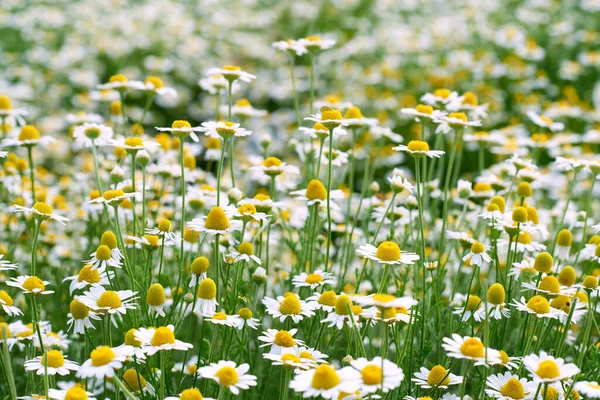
pixel 191 394
pixel 54 358
pixel 477 248
pixel 227 376
pixel 316 190
pixel 290 357
pixel 247 209
pixel 180 124
pixel 43 208
pixel 231 68
pixel 131 340
pixel 213 143
pixel 496 294
pixel 473 303
pixel 33 282
pixel 111 194
pixel 163 335
pixel 423 109
pixel 216 219
pixel 437 376
pixel 459 116
pixel 290 305
pixel 590 282
pixel 153 240
pixel 29 132
pixel 89 275
pixel 118 78
pixel 5 102
pixel 330 114
pixel 76 393
pixel 5 297
pixel 246 248
pixel 220 316
pixel 284 339
pixel 272 162
pixel 384 298
pixel 207 289
pixel 550 284
pixel 164 225
pixel 243 103
pixel 470 99
pixel 103 253
pixel 325 378
pixel 109 239
pixel 155 81
pixel 78 310
pixel 134 142
pixel 314 278
pixel 353 113
pixel 539 305
pixel 341 305
pixel 565 238
pixel 513 389
pixel 472 347
pixel 109 299
pixel 443 93
pixel 156 295
pixel 200 265
pixel 134 380
pixel 546 120
pixel 548 370
pixel 102 356
pixel 418 146
pixel 567 276
pixel 245 313
pixel 327 298
pixel 388 251
pixel 372 374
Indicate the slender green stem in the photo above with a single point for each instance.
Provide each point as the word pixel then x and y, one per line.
pixel 31 172
pixel 329 175
pixel 8 365
pixel 36 235
pixel 220 170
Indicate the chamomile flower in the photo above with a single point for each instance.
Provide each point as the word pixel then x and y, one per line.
pixel 103 258
pixel 291 46
pixel 384 301
pixel 316 43
pixel 190 369
pixel 55 361
pixel 495 305
pixel 229 376
pixel 232 73
pixel 155 300
pixel 207 298
pixel 80 317
pixel 164 230
pixel 314 280
pixel 330 118
pixel 315 193
pixel 29 137
pixel 160 339
pixel 387 253
pixel 589 389
pixel 198 269
pixel 273 166
pixel 223 129
pixel 221 318
pixel 477 255
pixel 108 301
pixel 281 341
pixel 455 120
pixel 247 212
pixel 378 374
pixel 92 134
pixel 30 285
pixel 326 382
pixel 418 148
pixel 216 222
pixel 544 122
pixel 245 252
pixel 546 368
pixel 114 197
pixel 189 394
pixel 322 301
pixel 426 112
pixel 537 305
pixel 88 276
pixel 243 109
pixel 103 362
pixel 136 383
pixel 182 129
pixel 341 313
pixel 214 83
pixel 118 82
pixel 246 319
pixel 7 304
pixel 290 360
pixel 436 377
pixel 76 392
pixel 439 97
pixel 41 211
pixel 288 306
pixel 470 348
pixel 508 386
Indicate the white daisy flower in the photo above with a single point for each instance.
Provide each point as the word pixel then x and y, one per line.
pixel 88 276
pixel 6 265
pixel 382 300
pixel 387 253
pixel 589 389
pixel 246 319
pixel 314 280
pixel 56 364
pixel 326 382
pixel 115 197
pixel 439 97
pixel 508 386
pixel 232 73
pixel 312 43
pixel 544 122
pixel 288 306
pixel 292 46
pixel 378 374
pixel 418 148
pixel 538 306
pixel 181 129
pixel 206 304
pixel 291 360
pixel 101 300
pixel 438 377
pixel 92 134
pixel 281 342
pixel 74 393
pixel 315 193
pixel 546 368
pixel 322 301
pixel 7 304
pixel 80 317
pixel 42 211
pixel 221 318
pixel 160 339
pixel 423 111
pixel 101 259
pixel 230 376
pixel 454 121
pixel 103 362
pixel 189 394
pixel 30 284
pixel 217 222
pixel 470 348
pixel 477 255
pixel 134 144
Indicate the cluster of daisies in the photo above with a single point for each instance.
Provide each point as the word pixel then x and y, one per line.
pixel 446 247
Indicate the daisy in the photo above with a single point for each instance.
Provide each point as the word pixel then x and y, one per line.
pixel 101 259
pixel 232 73
pixel 495 298
pixel 247 212
pixel 41 211
pixel 544 122
pixel 291 360
pixel 245 252
pixel 470 348
pixel 191 366
pixel 418 148
pixel 214 83
pixel 537 305
pixel 7 304
pixel 217 222
pixel 324 381
pixel 320 131
pixel 207 303
pixel 30 284
pixel 134 144
pixel 399 184
pixel 137 384
pixel 244 109
pixel 189 394
pixel 378 374
pixel 223 129
pixel 589 389
pixel 387 253
pixel 88 276
pixel 155 300
pixel 474 308
pixel 314 280
pixel 273 166
pixel 509 387
pixel 154 85
pixel 385 301
pixel 29 137
pixel 288 306
pixel 182 129
pixel 118 82
pixel 92 134
pixel 114 197
pixel 439 97
pixel 423 111
pixel 6 265
pixel 316 43
pixel 228 375
pixel 7 110
pixel 477 255
pixel 281 342
pixel 322 301
pixel 76 392
pixel 80 317
pixel 220 318
pixel 312 354
pixel 315 193
pixel 340 315
pixel 331 118
pixel 160 339
pixel 55 361
pixel 437 377
pixel 291 46
pixel 548 369
pixel 101 300
pixel 103 362
pixel 454 120
pixel 246 319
